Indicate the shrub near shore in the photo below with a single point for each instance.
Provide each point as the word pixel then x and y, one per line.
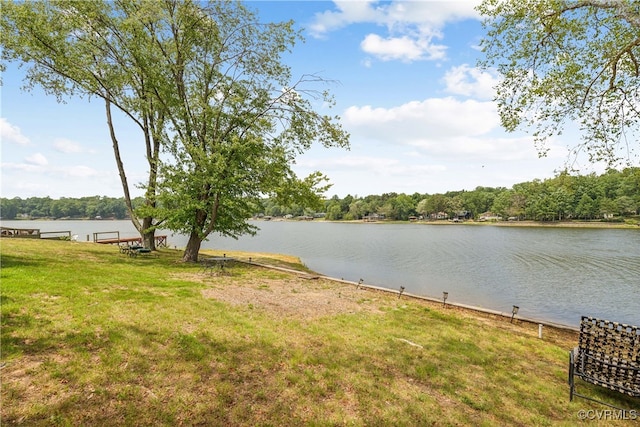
pixel 93 337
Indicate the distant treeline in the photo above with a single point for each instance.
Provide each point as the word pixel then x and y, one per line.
pixel 612 195
pixel 84 207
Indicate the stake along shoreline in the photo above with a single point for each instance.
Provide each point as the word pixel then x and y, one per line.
pixel 424 298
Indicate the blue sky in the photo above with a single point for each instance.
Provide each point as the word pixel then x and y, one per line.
pixel 420 115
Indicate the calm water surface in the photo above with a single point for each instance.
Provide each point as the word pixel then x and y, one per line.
pixel 552 274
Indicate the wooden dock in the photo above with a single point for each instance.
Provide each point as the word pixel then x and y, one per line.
pixel 25 233
pixel 113 237
pixel 34 233
pixel 161 241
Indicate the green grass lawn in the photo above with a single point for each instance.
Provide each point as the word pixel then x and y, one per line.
pixel 93 337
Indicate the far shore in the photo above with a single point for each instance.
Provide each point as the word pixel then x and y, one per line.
pixel 524 223
pixel 549 224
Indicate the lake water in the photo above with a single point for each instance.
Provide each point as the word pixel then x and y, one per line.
pixel 552 274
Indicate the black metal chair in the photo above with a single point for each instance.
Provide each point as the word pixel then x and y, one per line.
pixel 608 355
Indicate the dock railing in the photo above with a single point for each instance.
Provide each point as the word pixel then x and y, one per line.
pixel 23 233
pixel 98 239
pixel 62 235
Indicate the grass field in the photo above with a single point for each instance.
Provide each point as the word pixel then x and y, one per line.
pixel 93 337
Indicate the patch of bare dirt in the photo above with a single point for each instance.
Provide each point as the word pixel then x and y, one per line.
pixel 295 296
pixel 308 297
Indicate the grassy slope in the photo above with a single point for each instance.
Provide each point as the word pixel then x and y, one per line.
pixel 92 337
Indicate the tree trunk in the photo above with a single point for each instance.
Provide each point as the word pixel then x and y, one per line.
pixel 148 237
pixel 193 248
pixel 121 172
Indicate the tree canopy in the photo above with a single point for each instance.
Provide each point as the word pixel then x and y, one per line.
pixel 565 62
pixel 205 82
pixel 236 119
pixel 93 49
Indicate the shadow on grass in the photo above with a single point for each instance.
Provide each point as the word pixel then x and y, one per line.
pixel 142 377
pixel 13 261
pixel 605 395
pixel 14 339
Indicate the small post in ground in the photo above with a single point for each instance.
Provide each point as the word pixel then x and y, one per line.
pixel 514 311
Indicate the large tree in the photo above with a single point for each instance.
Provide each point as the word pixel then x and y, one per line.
pixel 568 62
pixel 237 120
pixel 205 82
pixel 95 49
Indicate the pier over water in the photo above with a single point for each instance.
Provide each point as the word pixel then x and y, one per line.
pixel 161 241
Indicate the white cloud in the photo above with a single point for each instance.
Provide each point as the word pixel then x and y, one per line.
pixel 37 159
pixel 66 146
pixel 379 165
pixel 410 27
pixel 24 167
pixel 440 130
pixel 470 81
pixel 402 48
pixel 427 14
pixel 431 13
pixel 11 133
pixel 435 118
pixel 81 171
pixel 39 163
pixel 25 180
pixel 348 12
pixel 352 162
pixel 485 148
pixel 375 173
